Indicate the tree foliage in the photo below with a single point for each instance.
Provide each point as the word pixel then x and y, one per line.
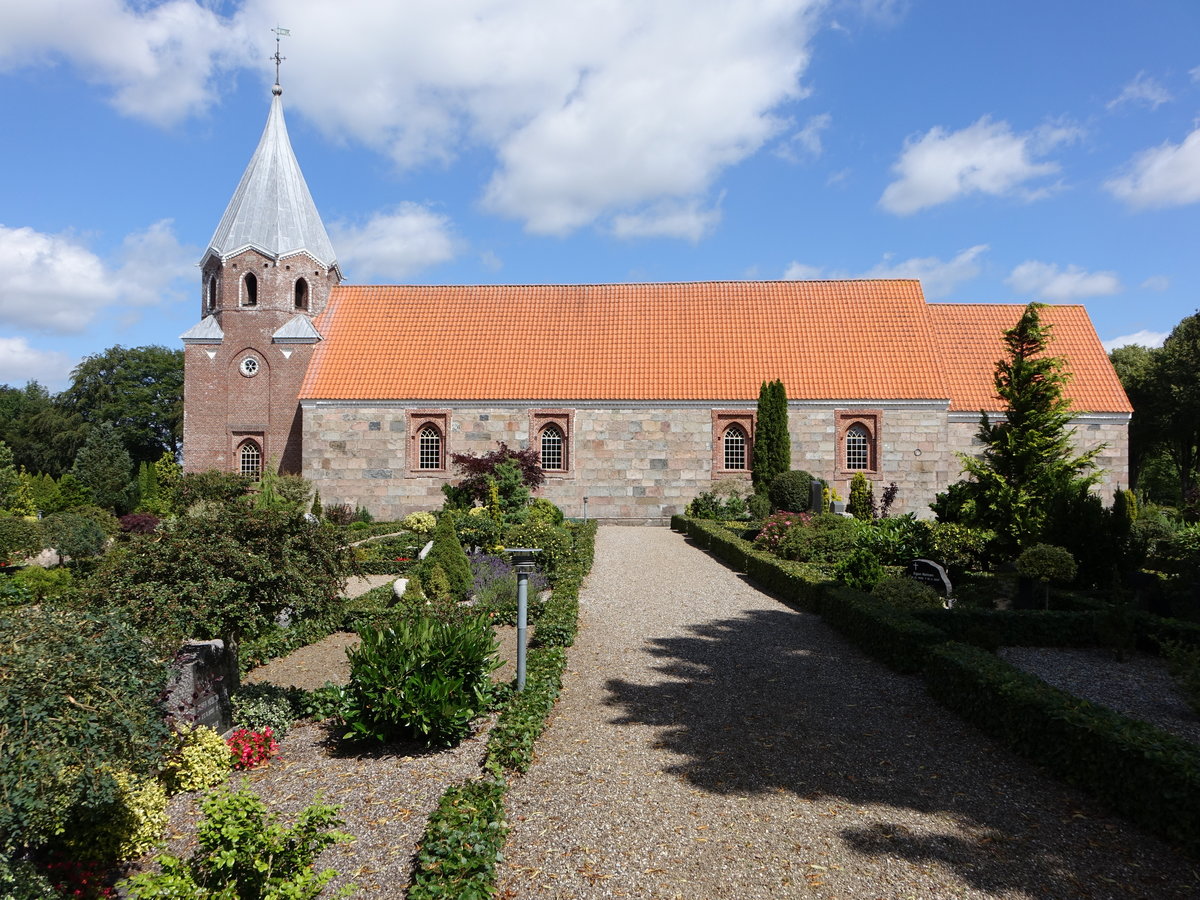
pixel 479 473
pixel 44 436
pixel 139 390
pixel 772 452
pixel 1028 455
pixel 103 466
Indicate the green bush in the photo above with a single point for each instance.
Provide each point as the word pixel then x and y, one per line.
pixel 74 536
pixel 542 510
pixel 826 539
pixel 426 680
pixel 461 845
pixel 1046 563
pixel 906 593
pixel 201 761
pixel 860 569
pixel 259 706
pixel 862 498
pixel 242 853
pixel 758 506
pixel 131 827
pixel 791 491
pixel 86 686
pixel 1141 771
pixel 21 879
pixel 447 553
pixel 43 584
pixel 521 722
pixel 555 542
pixel 419 522
pixel 19 537
pixel 890 635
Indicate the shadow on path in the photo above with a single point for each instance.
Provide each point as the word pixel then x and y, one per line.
pixel 772 700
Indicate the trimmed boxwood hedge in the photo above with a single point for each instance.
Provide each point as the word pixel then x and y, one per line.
pixel 1143 772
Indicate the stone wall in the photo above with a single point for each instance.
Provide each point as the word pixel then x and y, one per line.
pixel 635 463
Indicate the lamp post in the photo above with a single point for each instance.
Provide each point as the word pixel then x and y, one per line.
pixel 585 500
pixel 522 558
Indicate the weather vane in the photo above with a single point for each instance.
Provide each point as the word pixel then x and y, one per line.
pixel 279 33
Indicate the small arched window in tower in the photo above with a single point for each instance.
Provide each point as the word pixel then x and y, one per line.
pixel 858 448
pixel 430 448
pixel 301 294
pixel 735 448
pixel 553 458
pixel 249 290
pixel 250 459
pixel 210 292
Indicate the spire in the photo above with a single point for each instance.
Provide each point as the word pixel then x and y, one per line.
pixel 272 209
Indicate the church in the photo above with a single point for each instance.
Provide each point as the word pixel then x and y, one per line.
pixel 637 396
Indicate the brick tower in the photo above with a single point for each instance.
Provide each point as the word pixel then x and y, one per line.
pixel 265 276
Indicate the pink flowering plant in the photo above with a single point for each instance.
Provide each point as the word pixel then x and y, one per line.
pixel 776 527
pixel 252 748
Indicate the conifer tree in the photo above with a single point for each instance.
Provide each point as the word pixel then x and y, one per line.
pixel 772 453
pixel 1028 457
pixel 103 466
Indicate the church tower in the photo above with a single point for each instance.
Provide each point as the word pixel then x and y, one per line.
pixel 267 273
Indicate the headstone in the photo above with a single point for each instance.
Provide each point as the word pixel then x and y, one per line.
pixel 204 674
pixel 425 550
pixel 932 574
pixel 816 495
pixel 399 586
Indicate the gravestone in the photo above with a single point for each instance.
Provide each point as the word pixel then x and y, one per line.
pixel 933 574
pixel 204 674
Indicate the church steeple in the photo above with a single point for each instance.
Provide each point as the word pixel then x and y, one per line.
pixel 272 210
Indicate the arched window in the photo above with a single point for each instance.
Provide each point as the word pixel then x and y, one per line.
pixel 553 458
pixel 250 290
pixel 301 294
pixel 250 459
pixel 211 294
pixel 735 447
pixel 858 448
pixel 430 448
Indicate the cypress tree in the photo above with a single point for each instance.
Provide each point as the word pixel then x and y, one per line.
pixel 781 447
pixel 760 465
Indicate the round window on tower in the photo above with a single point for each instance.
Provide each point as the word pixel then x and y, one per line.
pixel 249 367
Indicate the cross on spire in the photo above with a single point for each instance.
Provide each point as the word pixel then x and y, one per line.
pixel 279 33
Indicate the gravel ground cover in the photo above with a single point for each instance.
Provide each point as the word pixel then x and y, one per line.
pixel 712 743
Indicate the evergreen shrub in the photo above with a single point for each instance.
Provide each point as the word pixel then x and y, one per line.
pixel 825 539
pixel 424 680
pixel 73 535
pixel 447 554
pixel 791 491
pixel 463 839
pixel 906 593
pixel 200 762
pixel 860 569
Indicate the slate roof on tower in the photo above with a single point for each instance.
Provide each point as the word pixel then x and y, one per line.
pixel 272 209
pixel 706 341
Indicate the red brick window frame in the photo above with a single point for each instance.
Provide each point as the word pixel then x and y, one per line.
pixel 858 437
pixel 722 421
pixel 542 421
pixel 241 442
pixel 418 421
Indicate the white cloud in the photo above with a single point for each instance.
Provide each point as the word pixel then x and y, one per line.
pixel 20 363
pixel 593 109
pixel 54 283
pixel 1046 281
pixel 1167 175
pixel 688 221
pixel 938 277
pixel 1156 283
pixel 1143 89
pixel 158 60
pixel 986 158
pixel 1195 73
pixel 806 143
pixel 393 245
pixel 1141 338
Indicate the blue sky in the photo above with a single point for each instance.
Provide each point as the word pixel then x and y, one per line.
pixel 1000 150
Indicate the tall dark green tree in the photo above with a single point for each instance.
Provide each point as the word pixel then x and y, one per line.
pixel 1175 410
pixel 43 436
pixel 1028 456
pixel 772 453
pixel 139 390
pixel 105 469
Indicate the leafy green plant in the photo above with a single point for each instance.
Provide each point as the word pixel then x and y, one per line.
pixel 22 879
pixel 758 506
pixel 521 722
pixel 825 539
pixel 447 554
pixel 424 679
pixel 906 593
pixel 19 537
pixel 859 569
pixel 419 522
pixel 256 707
pixel 862 498
pixel 73 535
pixel 542 510
pixel 201 761
pixel 555 542
pixel 462 842
pixel 128 828
pixel 43 584
pixel 243 854
pixel 791 491
pixel 1046 563
pixel 86 685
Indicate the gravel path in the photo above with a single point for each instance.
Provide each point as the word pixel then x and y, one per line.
pixel 712 743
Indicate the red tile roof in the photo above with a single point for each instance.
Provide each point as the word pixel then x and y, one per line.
pixel 705 341
pixel 970 337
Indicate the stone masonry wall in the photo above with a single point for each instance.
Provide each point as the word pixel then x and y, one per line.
pixel 633 463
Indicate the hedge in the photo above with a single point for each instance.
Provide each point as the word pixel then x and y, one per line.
pixel 1141 771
